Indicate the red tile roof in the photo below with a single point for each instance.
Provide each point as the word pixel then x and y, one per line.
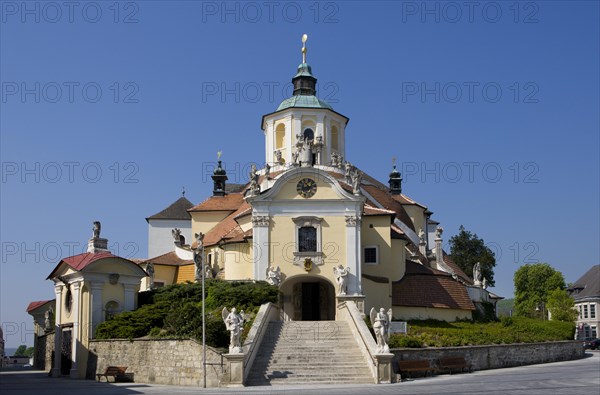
pixel 228 229
pixel 230 202
pixel 81 261
pixel 425 287
pixel 370 210
pixel 34 305
pixel 384 198
pixel 459 272
pixel 169 259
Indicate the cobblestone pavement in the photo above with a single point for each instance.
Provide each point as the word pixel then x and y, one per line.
pixel 569 378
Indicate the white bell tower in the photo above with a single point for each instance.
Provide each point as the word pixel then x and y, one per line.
pixel 303 120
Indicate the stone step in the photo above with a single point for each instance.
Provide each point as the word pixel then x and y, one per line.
pixel 308 352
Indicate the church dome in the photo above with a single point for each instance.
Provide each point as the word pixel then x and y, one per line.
pixel 302 101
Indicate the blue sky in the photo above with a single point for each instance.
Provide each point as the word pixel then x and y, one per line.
pixel 107 111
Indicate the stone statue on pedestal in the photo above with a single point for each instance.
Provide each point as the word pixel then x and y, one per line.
pixel 356 180
pixel 234 323
pixel 208 273
pixel 150 271
pixel 96 229
pixel 477 277
pixel 198 255
pixel 341 274
pixel 381 326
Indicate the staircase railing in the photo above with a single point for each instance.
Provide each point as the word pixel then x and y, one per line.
pixel 347 311
pixel 268 312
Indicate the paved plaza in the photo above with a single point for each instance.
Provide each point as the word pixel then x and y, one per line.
pixel 569 378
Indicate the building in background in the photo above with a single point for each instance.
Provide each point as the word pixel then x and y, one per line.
pixel 586 292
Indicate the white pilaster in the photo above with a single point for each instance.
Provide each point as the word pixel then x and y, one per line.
pixel 76 334
pixel 353 245
pixel 97 307
pixel 327 148
pixel 57 330
pixel 260 248
pixel 130 290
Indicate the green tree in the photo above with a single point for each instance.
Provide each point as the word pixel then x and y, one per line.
pixel 21 351
pixel 533 284
pixel 562 306
pixel 466 249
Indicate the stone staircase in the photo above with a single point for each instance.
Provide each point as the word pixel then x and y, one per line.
pixel 309 352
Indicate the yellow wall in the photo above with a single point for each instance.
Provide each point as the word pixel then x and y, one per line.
pixel 238 261
pixel 113 292
pixel 399 258
pixel 378 235
pixel 377 295
pixel 424 313
pixel 203 221
pixel 417 215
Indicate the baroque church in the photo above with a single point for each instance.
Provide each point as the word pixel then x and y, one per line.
pixel 309 221
pixel 312 223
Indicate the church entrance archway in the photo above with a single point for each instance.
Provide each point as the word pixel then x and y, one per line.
pixel 308 298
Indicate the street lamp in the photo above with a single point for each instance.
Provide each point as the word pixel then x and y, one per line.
pixel 200 275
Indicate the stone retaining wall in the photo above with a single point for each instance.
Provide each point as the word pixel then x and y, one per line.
pixel 159 361
pixel 498 356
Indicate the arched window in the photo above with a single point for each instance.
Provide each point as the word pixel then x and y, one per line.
pixel 110 310
pixel 335 138
pixel 279 136
pixel 308 134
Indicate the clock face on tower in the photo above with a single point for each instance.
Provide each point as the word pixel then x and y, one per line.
pixel 306 187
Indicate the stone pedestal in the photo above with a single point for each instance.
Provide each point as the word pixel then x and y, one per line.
pixel 235 370
pixel 359 300
pixel 97 244
pixel 384 368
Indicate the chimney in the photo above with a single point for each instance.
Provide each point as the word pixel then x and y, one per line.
pixel 96 243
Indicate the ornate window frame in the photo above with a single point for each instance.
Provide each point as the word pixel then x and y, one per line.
pixel 315 256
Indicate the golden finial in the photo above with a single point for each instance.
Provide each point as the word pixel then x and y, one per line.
pixel 304 38
pixel 219 153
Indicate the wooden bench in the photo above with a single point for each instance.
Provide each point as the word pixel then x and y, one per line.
pixel 114 371
pixel 453 363
pixel 420 365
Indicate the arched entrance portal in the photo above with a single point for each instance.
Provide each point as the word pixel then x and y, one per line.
pixel 308 298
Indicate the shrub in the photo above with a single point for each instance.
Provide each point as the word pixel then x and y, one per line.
pixel 176 311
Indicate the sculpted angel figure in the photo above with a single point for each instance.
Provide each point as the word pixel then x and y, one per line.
pixel 348 172
pixel 234 323
pixel 477 273
pixel 274 275
pixel 381 326
pixel 356 179
pixel 341 274
pixel 198 255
